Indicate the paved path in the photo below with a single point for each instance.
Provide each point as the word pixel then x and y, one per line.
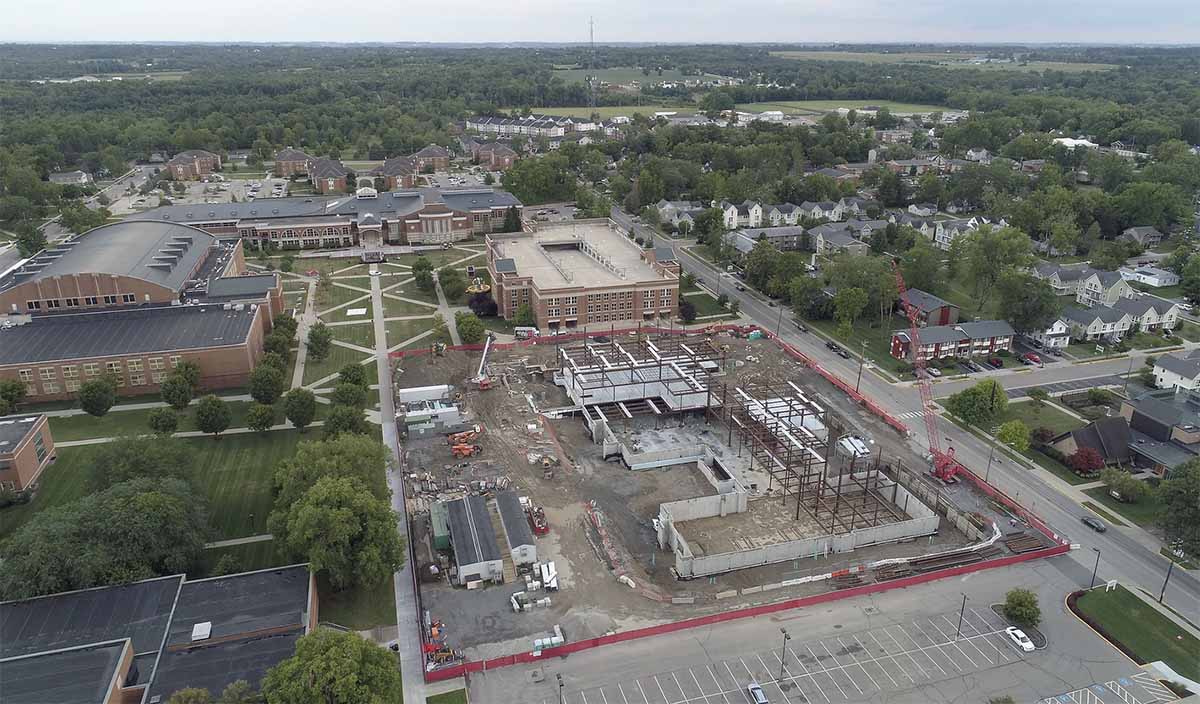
pixel 307 318
pixel 444 309
pixel 409 637
pixel 69 412
pixel 190 434
pixel 239 541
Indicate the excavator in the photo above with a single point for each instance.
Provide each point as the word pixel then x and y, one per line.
pixel 466 450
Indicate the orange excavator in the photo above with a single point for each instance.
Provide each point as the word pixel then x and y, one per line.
pixel 466 450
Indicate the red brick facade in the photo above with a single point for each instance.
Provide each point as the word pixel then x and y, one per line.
pixel 193 165
pixel 22 464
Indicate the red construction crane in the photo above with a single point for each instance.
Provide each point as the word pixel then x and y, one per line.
pixel 945 467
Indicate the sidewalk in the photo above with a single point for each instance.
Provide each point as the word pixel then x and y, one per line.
pixel 68 412
pixel 1169 614
pixel 191 434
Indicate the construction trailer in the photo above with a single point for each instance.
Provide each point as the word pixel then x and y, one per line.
pixel 515 522
pixel 476 556
pixel 428 410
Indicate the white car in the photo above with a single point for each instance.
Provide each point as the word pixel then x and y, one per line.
pixel 1018 637
pixel 756 694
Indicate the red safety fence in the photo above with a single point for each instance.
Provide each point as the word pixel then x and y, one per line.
pixel 749 612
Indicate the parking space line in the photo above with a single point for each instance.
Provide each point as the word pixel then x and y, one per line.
pixel 732 679
pixel 583 696
pixel 860 665
pixel 623 697
pixel 603 697
pixel 809 676
pixel 909 654
pixel 924 649
pixel 957 647
pixel 826 671
pixel 643 692
pixel 698 687
pixel 660 690
pixel 986 622
pixel 717 682
pixel 940 648
pixel 968 640
pixel 684 694
pixel 987 638
pixel 877 660
pixel 841 667
pixel 893 657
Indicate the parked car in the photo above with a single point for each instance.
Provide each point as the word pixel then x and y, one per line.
pixel 1018 637
pixel 996 362
pixel 800 326
pixel 1055 351
pixel 1031 358
pixel 934 372
pixel 756 694
pixel 831 345
pixel 1094 523
pixel 841 351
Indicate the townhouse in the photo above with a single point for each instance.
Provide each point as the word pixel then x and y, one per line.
pixel 983 337
pixel 1103 288
pixel 678 211
pixel 744 214
pixel 535 125
pixel 1149 313
pixel 826 210
pixel 1097 324
pixel 930 309
pixel 1178 370
pixel 830 239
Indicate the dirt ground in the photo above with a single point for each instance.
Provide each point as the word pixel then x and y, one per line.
pixel 590 601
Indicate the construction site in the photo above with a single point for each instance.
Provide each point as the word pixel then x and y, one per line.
pixel 662 477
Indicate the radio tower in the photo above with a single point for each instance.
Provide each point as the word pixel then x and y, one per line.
pixel 592 64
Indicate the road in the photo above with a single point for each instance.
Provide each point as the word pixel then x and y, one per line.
pixel 1120 554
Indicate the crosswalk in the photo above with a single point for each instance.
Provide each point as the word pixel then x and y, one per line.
pixel 908 415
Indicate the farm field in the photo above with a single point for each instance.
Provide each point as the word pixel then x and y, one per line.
pixel 610 111
pixel 815 106
pixel 623 75
pixel 952 60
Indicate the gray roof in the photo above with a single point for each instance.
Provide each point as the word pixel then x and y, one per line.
pixel 1142 304
pixel 1185 364
pixel 290 154
pixel 81 675
pixel 837 237
pixel 119 332
pixel 1142 231
pixel 507 265
pixel 756 233
pixel 1169 454
pixel 926 302
pixel 1110 437
pixel 1085 316
pixel 934 334
pixel 327 168
pixel 166 254
pixel 979 330
pixel 516 525
pixel 987 328
pixel 396 166
pixel 665 254
pixel 431 151
pixel 232 287
pixel 1108 279
pixel 14 429
pixel 216 667
pixel 471 531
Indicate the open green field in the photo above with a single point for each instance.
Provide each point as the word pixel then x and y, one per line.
pixel 622 75
pixel 233 473
pixel 705 305
pixel 1142 629
pixel 338 357
pixel 362 334
pixel 817 106
pixel 878 338
pixel 323 265
pixel 250 557
pixel 400 330
pixel 610 111
pixel 437 257
pixel 394 308
pixel 1143 513
pixel 1048 415
pixel 411 291
pixel 336 294
pixel 117 422
pixel 358 609
pixel 948 59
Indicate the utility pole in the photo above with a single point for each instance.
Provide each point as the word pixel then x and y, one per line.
pixel 1096 568
pixel 1125 386
pixel 1171 548
pixel 560 689
pixel 961 611
pixel 988 471
pixel 782 653
pixel 862 357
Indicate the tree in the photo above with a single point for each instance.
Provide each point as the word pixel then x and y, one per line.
pixel 524 316
pixel 190 372
pixel 12 392
pixel 176 391
pixel 320 339
pixel 272 359
pixel 360 457
pixel 1038 396
pixel 239 692
pixel 97 396
pixel 1180 499
pixel 140 457
pixel 191 695
pixel 922 267
pixel 1021 607
pixel 1029 303
pixel 848 304
pixel 453 283
pixel 260 417
pixel 351 395
pixel 163 421
pixel 133 530
pixel 266 384
pixel 1128 488
pixel 423 279
pixel 512 219
pixel 212 415
pixel 1015 434
pixel 992 253
pixel 892 191
pixel 30 241
pixel 1085 460
pixel 470 327
pixel 300 407
pixel 353 374
pixel 334 667
pixel 345 419
pixel 286 325
pixel 687 311
pixel 979 404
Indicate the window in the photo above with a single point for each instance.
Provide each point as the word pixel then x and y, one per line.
pixel 110 300
pixel 72 385
pixel 90 300
pixel 127 298
pixel 48 373
pixel 53 303
pixel 156 364
pixel 33 305
pixel 91 369
pixel 137 379
pixel 158 377
pixel 112 367
pixel 39 444
pixel 134 365
pixel 175 359
pixel 72 302
pixel 70 371
pixel 26 374
pixel 50 387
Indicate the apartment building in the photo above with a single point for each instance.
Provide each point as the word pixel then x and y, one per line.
pixel 582 273
pixel 193 165
pixel 26 448
pixel 432 158
pixel 981 337
pixel 291 162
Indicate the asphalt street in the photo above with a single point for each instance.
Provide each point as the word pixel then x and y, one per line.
pixel 1121 555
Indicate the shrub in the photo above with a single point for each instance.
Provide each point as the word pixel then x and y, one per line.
pixel 1021 607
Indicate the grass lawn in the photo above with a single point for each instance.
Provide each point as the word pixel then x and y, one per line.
pixel 497 324
pixel 1087 350
pixel 437 257
pixel 338 358
pixel 362 334
pixel 829 105
pixel 705 305
pixel 393 308
pixel 250 557
pixel 879 339
pixel 1142 513
pixel 1189 332
pixel 1035 416
pixel 1104 514
pixel 337 294
pixel 1183 562
pixel 610 111
pixel 1142 629
pixel 456 697
pixel 400 330
pixel 323 265
pixel 117 422
pixel 62 482
pixel 1150 341
pixel 358 609
pixel 412 291
pixel 1175 291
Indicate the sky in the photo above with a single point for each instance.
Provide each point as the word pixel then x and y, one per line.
pixel 703 21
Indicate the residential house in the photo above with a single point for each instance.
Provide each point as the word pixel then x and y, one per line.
pixel 863 229
pixel 979 155
pixel 71 178
pixel 399 172
pixel 26 449
pixel 856 207
pixel 193 165
pixel 1127 150
pixel 1144 235
pixel 1065 280
pixel 833 238
pixel 787 238
pixel 1179 370
pixel 745 214
pixel 924 210
pixel 1149 313
pixel 931 310
pixel 899 136
pixel 327 175
pixel 495 156
pixel 1033 166
pixel 432 158
pixel 983 337
pixel 782 214
pixel 1103 288
pixel 1099 323
pixel 291 162
pixel 1165 426
pixel 946 231
pixel 1150 276
pixel 1109 437
pixel 821 210
pixel 1056 336
pixel 912 167
pixel 837 174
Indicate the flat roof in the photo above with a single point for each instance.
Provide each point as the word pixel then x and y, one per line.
pixel 217 666
pixel 49 338
pixel 162 253
pixel 255 285
pixel 242 603
pixel 471 531
pixel 138 611
pixel 581 254
pixel 516 525
pixel 14 429
pixel 81 675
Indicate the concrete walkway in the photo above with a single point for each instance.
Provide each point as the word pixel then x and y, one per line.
pixel 444 309
pixel 191 434
pixel 1173 617
pixel 69 412
pixel 307 319
pixel 239 541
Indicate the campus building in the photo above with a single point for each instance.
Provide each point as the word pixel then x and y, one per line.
pixel 581 273
pixel 26 448
pixel 193 165
pixel 291 162
pixel 144 641
pixel 421 216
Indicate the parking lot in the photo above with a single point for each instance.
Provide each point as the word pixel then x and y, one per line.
pixel 1137 688
pixel 848 667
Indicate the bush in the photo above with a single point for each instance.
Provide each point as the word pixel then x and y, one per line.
pixel 163 421
pixel 1021 607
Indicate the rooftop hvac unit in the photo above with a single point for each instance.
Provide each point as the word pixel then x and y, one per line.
pixel 201 631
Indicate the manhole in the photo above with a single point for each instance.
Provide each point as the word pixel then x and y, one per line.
pixel 870 610
pixel 536 675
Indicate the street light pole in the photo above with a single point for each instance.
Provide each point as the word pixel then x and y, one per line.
pixel 1162 592
pixel 779 322
pixel 862 357
pixel 961 611
pixel 988 471
pixel 1125 386
pixel 560 689
pixel 783 651
pixel 1096 567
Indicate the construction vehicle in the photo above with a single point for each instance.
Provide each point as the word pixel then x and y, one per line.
pixel 537 520
pixel 466 450
pixel 481 378
pixel 943 465
pixel 462 438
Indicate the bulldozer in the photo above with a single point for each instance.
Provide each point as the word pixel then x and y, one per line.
pixel 466 450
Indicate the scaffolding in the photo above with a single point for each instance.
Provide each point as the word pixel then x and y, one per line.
pixel 778 425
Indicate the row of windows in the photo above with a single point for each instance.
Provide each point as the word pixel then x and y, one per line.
pixel 91 370
pixel 76 302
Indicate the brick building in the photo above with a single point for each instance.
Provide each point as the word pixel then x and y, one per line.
pixel 26 448
pixel 982 337
pixel 291 162
pixel 193 165
pixel 420 216
pixel 137 263
pixel 432 158
pixel 327 175
pixel 53 355
pixel 495 156
pixel 582 273
pixel 398 173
